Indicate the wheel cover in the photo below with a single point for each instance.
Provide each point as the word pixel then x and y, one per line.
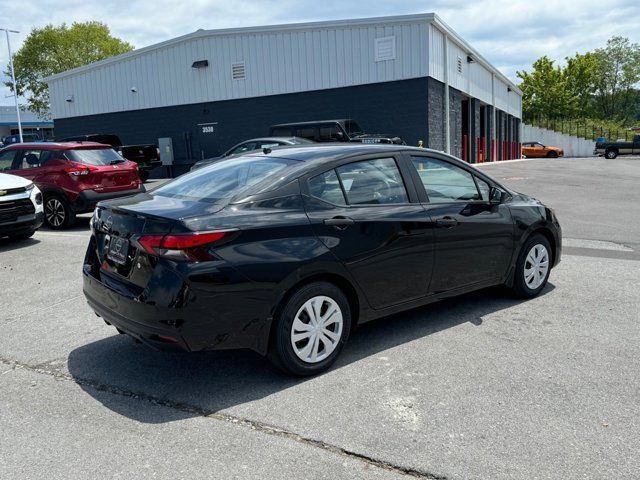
pixel 536 266
pixel 54 211
pixel 610 154
pixel 317 329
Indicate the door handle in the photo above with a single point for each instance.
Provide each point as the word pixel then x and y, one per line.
pixel 339 222
pixel 446 222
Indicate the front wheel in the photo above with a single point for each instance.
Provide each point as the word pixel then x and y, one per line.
pixel 552 155
pixel 611 153
pixel 533 267
pixel 310 330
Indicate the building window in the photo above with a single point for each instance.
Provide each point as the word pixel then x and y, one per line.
pixel 385 49
pixel 238 71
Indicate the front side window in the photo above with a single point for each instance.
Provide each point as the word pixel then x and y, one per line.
pixel 223 179
pixel 373 182
pixel 445 182
pixel 6 159
pixel 329 133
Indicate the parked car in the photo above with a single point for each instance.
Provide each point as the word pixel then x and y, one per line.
pixel 21 212
pixel 285 252
pixel 345 130
pixel 612 149
pixel 27 137
pixel 147 156
pixel 253 144
pixel 72 176
pixel 538 150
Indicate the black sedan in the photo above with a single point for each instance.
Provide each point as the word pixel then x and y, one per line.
pixel 251 145
pixel 286 252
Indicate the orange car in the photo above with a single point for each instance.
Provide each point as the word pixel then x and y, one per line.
pixel 538 150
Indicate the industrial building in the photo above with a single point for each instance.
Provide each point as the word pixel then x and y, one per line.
pixel 32 125
pixel 207 90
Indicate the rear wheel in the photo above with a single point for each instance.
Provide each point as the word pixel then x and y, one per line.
pixel 310 330
pixel 144 175
pixel 611 153
pixel 533 267
pixel 57 212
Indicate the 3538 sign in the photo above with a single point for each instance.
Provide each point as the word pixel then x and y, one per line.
pixel 208 127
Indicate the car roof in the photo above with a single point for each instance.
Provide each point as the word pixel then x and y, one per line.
pixel 56 145
pixel 313 122
pixel 325 152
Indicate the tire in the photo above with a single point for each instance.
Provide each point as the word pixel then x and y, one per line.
pixel 22 236
pixel 611 153
pixel 57 213
pixel 552 155
pixel 538 249
pixel 296 357
pixel 144 175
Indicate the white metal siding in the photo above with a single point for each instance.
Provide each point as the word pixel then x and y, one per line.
pixel 436 53
pixel 275 63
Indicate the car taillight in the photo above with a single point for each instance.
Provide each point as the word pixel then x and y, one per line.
pixel 77 170
pixel 183 246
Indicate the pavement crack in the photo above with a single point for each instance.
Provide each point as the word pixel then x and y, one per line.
pixel 47 368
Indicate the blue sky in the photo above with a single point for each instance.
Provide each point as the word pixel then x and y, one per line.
pixel 510 34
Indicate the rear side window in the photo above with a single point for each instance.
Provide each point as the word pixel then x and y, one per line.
pixel 445 182
pixel 373 182
pixel 98 156
pixel 306 132
pixel 223 179
pixel 281 132
pixel 326 186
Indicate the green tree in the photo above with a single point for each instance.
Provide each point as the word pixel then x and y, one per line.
pixel 581 76
pixel 617 76
pixel 50 50
pixel 545 92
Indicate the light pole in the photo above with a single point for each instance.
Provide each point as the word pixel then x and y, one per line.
pixel 13 80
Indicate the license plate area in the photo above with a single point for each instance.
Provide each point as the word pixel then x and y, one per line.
pixel 118 250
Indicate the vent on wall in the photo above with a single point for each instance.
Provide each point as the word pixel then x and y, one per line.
pixel 385 48
pixel 459 65
pixel 238 71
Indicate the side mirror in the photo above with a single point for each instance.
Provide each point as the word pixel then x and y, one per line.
pixel 495 196
pixel 339 136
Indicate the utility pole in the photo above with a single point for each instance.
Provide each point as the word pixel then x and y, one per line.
pixel 13 80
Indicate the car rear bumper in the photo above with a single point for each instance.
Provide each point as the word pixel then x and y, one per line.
pixel 87 199
pixel 23 224
pixel 149 165
pixel 139 320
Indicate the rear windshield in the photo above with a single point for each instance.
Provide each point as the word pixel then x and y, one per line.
pixel 97 156
pixel 223 179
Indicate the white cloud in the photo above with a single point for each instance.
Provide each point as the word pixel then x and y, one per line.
pixel 509 33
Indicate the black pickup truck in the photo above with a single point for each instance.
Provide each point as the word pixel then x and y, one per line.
pixel 343 130
pixel 146 156
pixel 612 149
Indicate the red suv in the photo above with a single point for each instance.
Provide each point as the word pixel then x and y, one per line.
pixel 73 176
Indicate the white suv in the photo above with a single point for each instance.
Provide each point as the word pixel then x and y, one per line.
pixel 21 212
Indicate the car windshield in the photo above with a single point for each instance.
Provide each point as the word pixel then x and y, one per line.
pixel 352 128
pixel 97 156
pixel 222 179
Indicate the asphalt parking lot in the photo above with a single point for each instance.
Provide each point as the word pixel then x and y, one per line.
pixel 482 386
